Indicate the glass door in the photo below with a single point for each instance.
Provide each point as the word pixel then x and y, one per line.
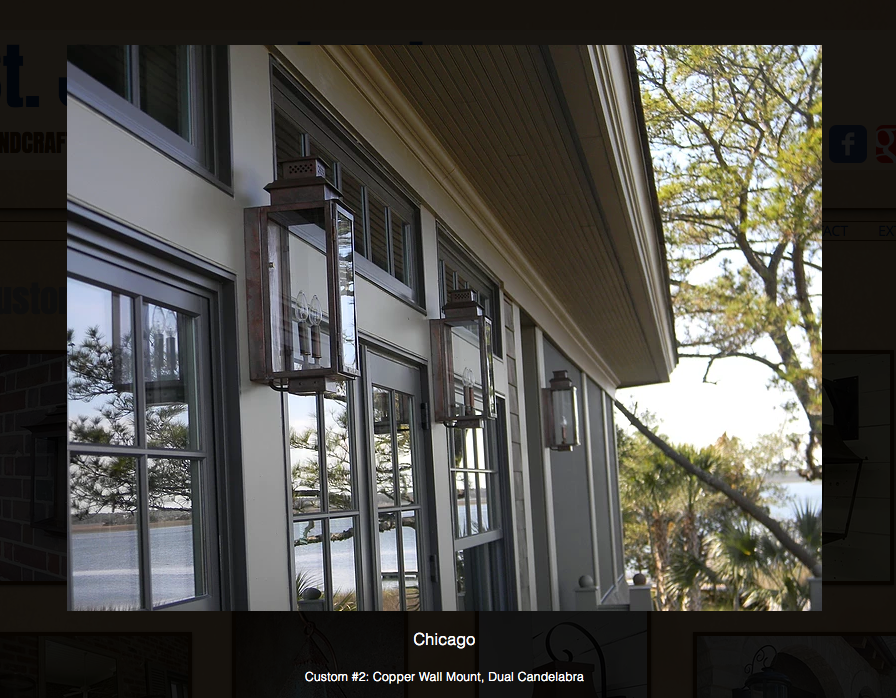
pixel 398 492
pixel 143 532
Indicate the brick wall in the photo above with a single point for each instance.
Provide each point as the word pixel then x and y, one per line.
pixel 30 385
pixel 19 654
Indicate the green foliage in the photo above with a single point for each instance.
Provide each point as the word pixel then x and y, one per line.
pixel 735 133
pixel 694 542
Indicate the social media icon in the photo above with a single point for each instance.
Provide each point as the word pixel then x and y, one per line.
pixel 847 143
pixel 886 144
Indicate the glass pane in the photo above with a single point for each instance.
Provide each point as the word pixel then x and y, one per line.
pixel 473 500
pixel 346 288
pixel 411 573
pixel 460 488
pixel 461 496
pixel 342 559
pixel 104 543
pixel 382 447
pixel 483 501
pixel 403 448
pixel 467 368
pixel 175 529
pixel 351 194
pixel 379 246
pixel 169 353
pixel 100 365
pixel 399 249
pixel 165 86
pixel 106 64
pixel 308 302
pixel 339 455
pixel 309 557
pixel 303 453
pixel 389 572
pixel 459 436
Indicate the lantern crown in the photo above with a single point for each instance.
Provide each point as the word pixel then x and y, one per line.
pixel 302 180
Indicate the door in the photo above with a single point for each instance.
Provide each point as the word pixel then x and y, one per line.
pixel 398 486
pixel 143 532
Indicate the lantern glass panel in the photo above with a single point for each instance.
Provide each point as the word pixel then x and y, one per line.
pixel 346 289
pixel 492 407
pixel 305 320
pixel 467 361
pixel 564 417
pixel 172 419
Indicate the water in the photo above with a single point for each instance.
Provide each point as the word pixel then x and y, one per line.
pixel 797 492
pixel 105 566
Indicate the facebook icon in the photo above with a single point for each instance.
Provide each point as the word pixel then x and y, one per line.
pixel 847 143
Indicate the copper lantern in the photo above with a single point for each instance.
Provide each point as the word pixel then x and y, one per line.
pixel 561 424
pixel 463 362
pixel 303 334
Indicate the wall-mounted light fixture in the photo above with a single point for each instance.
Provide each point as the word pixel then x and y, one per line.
pixel 842 398
pixel 561 423
pixel 49 497
pixel 303 334
pixel 571 689
pixel 767 683
pixel 463 363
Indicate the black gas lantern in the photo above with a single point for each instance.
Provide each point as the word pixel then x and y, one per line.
pixel 303 334
pixel 463 362
pixel 767 683
pixel 49 497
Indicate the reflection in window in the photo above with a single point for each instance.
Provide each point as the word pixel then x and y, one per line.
pixel 100 365
pixel 390 573
pixel 382 447
pixel 309 559
pixel 175 529
pixel 105 533
pixel 170 374
pixel 303 454
pixel 325 542
pixel 473 483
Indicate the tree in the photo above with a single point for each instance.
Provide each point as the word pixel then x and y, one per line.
pixel 736 137
pixel 742 500
pixel 670 515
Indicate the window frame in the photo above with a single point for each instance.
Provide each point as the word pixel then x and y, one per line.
pixel 105 239
pixel 298 106
pixel 209 99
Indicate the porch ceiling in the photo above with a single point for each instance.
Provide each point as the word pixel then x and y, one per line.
pixel 525 126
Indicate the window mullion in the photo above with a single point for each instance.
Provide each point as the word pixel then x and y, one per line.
pixel 366 224
pixel 134 75
pixel 145 557
pixel 140 440
pixel 389 254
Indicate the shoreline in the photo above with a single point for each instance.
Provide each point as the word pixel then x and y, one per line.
pixel 93 528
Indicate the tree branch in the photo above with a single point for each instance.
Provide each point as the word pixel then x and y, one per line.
pixel 738 498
